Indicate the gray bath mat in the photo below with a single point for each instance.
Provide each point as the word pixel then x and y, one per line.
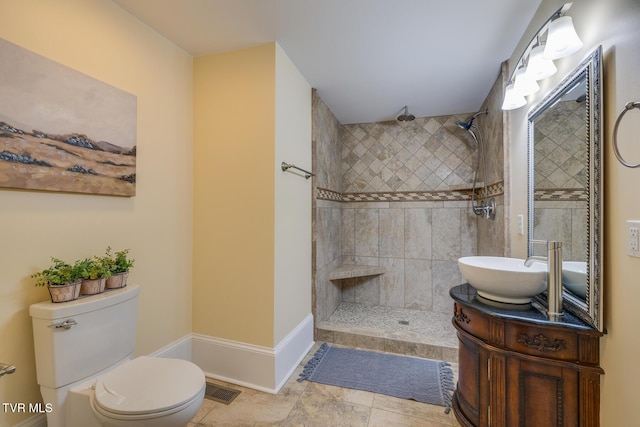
pixel 423 380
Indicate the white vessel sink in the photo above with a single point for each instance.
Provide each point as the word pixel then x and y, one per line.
pixel 503 279
pixel 574 277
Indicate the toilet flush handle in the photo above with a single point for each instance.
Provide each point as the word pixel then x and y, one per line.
pixel 67 324
pixel 6 369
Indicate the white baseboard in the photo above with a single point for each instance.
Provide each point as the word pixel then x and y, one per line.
pixel 261 368
pixel 179 349
pixel 292 349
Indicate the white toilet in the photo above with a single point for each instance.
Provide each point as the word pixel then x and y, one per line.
pixel 86 372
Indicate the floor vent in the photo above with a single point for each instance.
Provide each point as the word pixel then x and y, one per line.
pixel 403 322
pixel 220 394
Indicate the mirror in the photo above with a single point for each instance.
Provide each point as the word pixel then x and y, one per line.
pixel 565 185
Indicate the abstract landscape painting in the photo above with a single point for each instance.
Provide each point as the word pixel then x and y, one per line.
pixel 61 130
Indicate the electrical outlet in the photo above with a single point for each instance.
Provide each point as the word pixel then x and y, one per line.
pixel 633 238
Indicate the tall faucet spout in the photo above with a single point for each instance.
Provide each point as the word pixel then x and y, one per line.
pixel 554 276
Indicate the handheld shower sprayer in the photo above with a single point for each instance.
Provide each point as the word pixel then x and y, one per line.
pixel 467 125
pixel 487 208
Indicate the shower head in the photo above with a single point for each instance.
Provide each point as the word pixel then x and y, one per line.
pixel 406 117
pixel 467 125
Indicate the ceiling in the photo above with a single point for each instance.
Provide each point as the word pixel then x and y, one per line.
pixel 367 58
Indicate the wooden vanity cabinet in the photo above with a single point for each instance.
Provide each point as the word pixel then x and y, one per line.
pixel 517 369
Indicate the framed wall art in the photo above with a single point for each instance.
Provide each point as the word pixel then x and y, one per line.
pixel 61 130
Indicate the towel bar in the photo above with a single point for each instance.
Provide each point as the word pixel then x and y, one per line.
pixel 286 166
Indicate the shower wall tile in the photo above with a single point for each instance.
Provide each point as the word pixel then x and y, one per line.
pixel 327 238
pixel 492 128
pixel 401 238
pixel 366 232
pixel 446 234
pixel 348 236
pixel 468 232
pixel 327 146
pixel 367 290
pixel 429 153
pixel 491 234
pixel 392 231
pixel 417 233
pixel 392 295
pixel 322 280
pixel 418 284
pixel 327 292
pixel 348 290
pixel 328 222
pixel 422 205
pixel 446 275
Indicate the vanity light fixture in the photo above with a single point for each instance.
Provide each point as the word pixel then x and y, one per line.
pixel 556 38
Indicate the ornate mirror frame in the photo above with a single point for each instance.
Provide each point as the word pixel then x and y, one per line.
pixel 589 71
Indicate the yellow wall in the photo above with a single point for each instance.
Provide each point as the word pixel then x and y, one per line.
pixel 613 24
pixel 233 263
pixel 99 39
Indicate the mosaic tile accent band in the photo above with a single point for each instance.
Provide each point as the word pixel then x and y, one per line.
pixel 571 194
pixel 414 196
pixel 406 196
pixel 496 189
pixel 324 194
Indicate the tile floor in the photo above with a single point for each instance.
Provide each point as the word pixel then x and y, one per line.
pixel 312 404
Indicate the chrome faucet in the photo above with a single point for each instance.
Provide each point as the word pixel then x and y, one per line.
pixel 554 276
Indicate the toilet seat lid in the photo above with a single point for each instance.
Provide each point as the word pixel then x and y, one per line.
pixel 148 384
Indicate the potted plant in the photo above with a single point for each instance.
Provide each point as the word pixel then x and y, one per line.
pixel 119 264
pixel 95 272
pixel 62 279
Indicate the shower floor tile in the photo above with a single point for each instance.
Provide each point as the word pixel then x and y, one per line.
pixel 414 332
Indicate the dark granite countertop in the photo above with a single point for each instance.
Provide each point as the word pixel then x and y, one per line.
pixel 467 296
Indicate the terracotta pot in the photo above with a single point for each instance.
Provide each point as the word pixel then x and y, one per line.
pixel 64 293
pixel 117 280
pixel 92 286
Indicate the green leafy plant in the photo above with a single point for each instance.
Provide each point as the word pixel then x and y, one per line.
pixel 95 268
pixel 119 262
pixel 58 274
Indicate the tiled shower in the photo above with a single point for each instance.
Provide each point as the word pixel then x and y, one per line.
pixel 397 195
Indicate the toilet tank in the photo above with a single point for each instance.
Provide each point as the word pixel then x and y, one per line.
pixel 104 334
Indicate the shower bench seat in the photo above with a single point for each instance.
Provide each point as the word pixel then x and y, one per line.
pixel 349 271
